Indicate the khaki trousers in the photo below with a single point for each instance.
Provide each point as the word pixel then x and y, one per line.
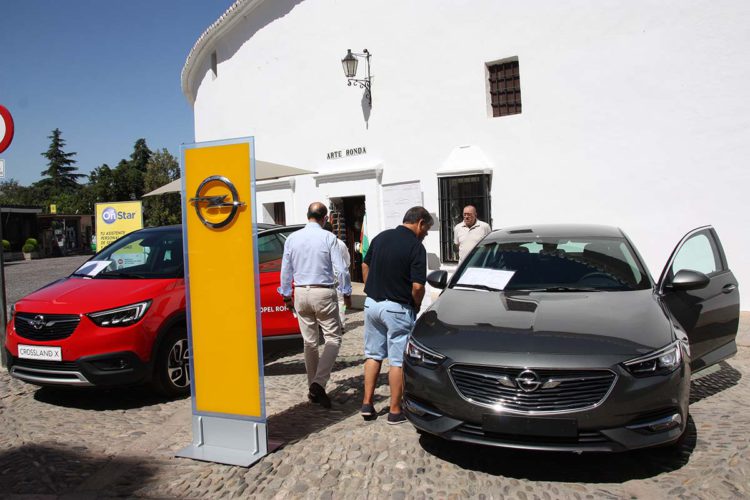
pixel 318 307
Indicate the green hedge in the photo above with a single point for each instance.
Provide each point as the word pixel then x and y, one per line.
pixel 6 245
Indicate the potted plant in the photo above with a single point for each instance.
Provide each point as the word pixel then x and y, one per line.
pixel 30 249
pixel 8 254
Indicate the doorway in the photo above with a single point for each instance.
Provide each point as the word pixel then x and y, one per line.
pixel 347 214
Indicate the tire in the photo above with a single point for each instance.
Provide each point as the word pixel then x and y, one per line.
pixel 172 364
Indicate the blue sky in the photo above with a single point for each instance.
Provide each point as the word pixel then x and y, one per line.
pixel 104 72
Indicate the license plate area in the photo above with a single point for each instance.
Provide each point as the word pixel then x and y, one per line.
pixel 530 426
pixel 42 352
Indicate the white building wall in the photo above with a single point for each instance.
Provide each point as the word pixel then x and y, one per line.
pixel 635 113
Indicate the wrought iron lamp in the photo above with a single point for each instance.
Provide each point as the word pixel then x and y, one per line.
pixel 350 62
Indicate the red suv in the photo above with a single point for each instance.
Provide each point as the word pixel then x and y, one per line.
pixel 120 318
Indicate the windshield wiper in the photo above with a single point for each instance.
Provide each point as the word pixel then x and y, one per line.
pixel 118 275
pixel 478 287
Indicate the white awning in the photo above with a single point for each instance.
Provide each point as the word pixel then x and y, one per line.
pixel 264 170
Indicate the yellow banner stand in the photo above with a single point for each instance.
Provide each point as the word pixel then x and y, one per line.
pixel 223 303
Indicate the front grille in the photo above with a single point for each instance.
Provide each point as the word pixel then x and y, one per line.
pixel 35 326
pixel 40 364
pixel 566 390
pixel 583 438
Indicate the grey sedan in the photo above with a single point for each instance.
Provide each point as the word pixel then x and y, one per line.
pixel 557 338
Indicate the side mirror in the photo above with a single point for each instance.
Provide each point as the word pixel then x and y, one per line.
pixel 438 279
pixel 687 279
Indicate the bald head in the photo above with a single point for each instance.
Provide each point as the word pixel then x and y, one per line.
pixel 317 212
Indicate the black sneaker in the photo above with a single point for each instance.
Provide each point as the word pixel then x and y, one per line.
pixel 367 411
pixel 396 418
pixel 319 395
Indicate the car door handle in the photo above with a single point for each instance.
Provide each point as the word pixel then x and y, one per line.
pixel 729 288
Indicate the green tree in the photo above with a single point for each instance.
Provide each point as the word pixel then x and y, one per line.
pixel 128 175
pixel 166 208
pixel 12 193
pixel 60 175
pixel 141 155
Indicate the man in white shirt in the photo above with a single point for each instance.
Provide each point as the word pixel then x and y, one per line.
pixel 313 261
pixel 468 233
pixel 348 260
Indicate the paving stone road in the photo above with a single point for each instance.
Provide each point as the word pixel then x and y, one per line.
pixel 121 443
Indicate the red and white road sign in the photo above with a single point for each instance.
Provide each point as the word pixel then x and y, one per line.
pixel 6 128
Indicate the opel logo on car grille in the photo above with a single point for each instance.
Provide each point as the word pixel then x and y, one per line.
pixel 38 322
pixel 219 201
pixel 528 381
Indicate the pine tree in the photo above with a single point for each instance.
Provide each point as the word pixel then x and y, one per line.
pixel 60 175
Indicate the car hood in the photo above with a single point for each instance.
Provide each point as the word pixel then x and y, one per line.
pixel 544 329
pixel 75 295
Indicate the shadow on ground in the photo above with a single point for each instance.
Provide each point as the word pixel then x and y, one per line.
pixel 51 469
pixel 709 385
pixel 297 367
pixel 301 420
pixel 97 399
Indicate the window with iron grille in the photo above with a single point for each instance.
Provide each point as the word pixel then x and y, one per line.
pixel 454 194
pixel 505 88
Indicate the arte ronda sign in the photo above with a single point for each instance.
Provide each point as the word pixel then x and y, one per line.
pixel 345 153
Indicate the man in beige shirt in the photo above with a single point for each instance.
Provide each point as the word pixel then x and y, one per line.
pixel 468 233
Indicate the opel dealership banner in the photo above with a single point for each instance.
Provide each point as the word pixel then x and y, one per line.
pixel 116 219
pixel 224 328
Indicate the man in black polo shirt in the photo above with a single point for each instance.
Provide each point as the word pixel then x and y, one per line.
pixel 394 271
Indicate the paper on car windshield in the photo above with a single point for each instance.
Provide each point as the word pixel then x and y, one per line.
pixel 493 278
pixel 93 267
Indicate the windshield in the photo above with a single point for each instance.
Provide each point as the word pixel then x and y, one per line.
pixel 554 264
pixel 156 254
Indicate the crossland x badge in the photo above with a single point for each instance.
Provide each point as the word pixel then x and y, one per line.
pixel 203 202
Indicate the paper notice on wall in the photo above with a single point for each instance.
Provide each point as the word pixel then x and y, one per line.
pixel 397 199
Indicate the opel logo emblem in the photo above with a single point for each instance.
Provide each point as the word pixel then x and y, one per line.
pixel 38 322
pixel 203 202
pixel 528 381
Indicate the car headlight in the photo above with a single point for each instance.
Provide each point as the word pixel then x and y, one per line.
pixel 122 316
pixel 418 354
pixel 660 362
pixel 12 312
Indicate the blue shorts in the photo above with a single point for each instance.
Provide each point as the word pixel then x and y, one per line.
pixel 387 328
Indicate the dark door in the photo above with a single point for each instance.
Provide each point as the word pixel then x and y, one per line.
pixel 709 315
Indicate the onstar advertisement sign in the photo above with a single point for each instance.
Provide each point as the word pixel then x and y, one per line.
pixel 116 219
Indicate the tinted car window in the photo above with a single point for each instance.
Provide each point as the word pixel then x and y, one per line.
pixel 144 255
pixel 270 251
pixel 600 263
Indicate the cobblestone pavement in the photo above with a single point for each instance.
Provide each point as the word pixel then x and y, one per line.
pixel 121 443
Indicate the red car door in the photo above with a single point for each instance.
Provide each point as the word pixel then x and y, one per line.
pixel 276 318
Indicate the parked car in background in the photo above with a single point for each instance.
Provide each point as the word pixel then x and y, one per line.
pixel 557 338
pixel 120 318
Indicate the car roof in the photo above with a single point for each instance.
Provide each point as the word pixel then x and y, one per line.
pixel 554 231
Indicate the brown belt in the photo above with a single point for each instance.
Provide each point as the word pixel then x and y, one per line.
pixel 315 286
